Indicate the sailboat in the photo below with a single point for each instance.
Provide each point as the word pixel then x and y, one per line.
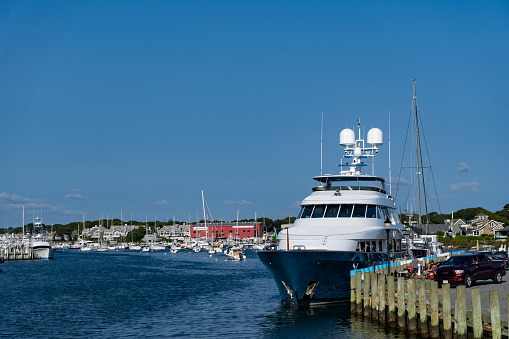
pixel 145 248
pixel 418 242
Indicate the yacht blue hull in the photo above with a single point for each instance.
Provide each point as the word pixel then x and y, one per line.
pixel 315 277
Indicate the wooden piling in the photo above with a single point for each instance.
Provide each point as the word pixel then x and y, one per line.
pixel 391 294
pixel 401 303
pixel 358 292
pixel 435 320
pixel 382 298
pixel 367 294
pixel 476 313
pixel 412 314
pixel 461 311
pixel 496 328
pixel 374 296
pixel 446 310
pixel 353 284
pixel 423 314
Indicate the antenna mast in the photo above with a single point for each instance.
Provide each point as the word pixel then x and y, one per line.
pixel 321 148
pixel 390 175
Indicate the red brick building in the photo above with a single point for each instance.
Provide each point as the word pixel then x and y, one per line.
pixel 232 230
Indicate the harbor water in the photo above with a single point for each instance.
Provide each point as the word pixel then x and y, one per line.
pixel 160 295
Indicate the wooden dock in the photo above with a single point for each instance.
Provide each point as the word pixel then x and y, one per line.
pixel 15 253
pixel 421 308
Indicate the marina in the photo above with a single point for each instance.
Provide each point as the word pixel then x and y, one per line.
pixel 118 294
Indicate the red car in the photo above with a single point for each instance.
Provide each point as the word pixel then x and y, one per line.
pixel 469 268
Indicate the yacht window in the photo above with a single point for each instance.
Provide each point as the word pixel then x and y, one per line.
pixel 346 211
pixel 382 212
pixel 300 213
pixel 318 212
pixel 359 211
pixel 394 215
pixel 332 211
pixel 371 211
pixel 306 212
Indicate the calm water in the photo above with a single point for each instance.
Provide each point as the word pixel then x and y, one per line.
pixel 127 293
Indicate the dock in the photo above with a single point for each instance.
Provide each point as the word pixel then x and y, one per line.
pixel 16 253
pixel 421 307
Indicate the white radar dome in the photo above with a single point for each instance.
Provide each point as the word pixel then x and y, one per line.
pixel 375 137
pixel 347 137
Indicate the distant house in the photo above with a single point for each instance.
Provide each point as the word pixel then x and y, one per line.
pixel 503 233
pixel 456 227
pixel 108 234
pixel 482 225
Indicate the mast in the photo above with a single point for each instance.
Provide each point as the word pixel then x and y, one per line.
pixel 321 148
pixel 204 216
pixel 390 175
pixel 417 157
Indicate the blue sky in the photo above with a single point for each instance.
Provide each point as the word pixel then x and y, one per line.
pixel 138 106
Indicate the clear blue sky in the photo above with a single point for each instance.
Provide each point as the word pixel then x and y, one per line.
pixel 139 105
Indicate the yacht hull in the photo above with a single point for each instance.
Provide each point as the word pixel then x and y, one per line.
pixel 308 278
pixel 42 251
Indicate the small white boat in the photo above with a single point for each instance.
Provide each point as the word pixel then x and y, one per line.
pixel 157 247
pixel 145 249
pixel 235 254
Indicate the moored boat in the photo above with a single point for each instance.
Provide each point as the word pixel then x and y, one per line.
pixel 40 243
pixel 349 221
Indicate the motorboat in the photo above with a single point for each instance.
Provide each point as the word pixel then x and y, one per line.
pixel 40 242
pixel 235 253
pixel 349 221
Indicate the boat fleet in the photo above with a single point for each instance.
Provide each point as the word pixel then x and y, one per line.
pixel 234 250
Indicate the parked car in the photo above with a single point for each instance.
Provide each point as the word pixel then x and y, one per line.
pixel 469 268
pixel 500 255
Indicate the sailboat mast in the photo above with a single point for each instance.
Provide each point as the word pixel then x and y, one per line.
pixel 204 216
pixel 417 157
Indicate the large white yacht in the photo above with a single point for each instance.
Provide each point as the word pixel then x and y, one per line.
pixel 40 243
pixel 349 221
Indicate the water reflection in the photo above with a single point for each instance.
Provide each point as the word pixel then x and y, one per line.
pixel 322 322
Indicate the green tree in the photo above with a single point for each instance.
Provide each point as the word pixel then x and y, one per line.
pixel 136 234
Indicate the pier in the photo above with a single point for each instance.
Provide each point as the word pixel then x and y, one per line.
pixel 16 253
pixel 421 307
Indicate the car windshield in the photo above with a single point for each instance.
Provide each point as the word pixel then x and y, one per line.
pixel 458 261
pixel 502 255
